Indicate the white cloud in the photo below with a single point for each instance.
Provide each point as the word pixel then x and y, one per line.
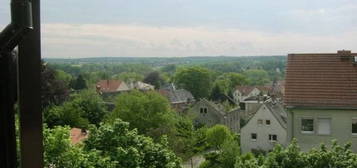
pixel 99 40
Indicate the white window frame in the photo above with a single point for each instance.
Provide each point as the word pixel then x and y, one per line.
pixel 271 139
pixel 318 126
pixel 313 125
pixel 353 118
pixel 256 137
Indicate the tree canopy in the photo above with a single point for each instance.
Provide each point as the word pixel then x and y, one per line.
pixel 149 112
pixel 197 80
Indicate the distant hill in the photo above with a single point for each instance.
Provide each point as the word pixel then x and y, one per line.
pixel 161 61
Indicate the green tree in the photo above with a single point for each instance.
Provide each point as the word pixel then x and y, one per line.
pixel 149 112
pixel 84 108
pixel 116 141
pixel 257 77
pixel 53 90
pixel 154 78
pixel 218 135
pixel 129 77
pixel 63 76
pixel 197 80
pixel 60 153
pixel 80 83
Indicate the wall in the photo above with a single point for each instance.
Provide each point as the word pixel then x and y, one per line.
pixel 341 127
pixel 262 131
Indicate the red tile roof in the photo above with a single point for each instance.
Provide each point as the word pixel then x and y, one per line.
pixel 321 80
pixel 245 90
pixel 77 135
pixel 108 85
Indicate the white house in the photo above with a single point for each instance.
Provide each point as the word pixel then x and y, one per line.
pixel 243 92
pixel 265 129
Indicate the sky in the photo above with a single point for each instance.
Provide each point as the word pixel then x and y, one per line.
pixel 178 28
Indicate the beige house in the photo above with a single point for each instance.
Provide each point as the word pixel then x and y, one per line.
pixel 265 129
pixel 208 113
pixel 321 98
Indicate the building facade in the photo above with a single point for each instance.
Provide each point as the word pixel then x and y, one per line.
pixel 265 129
pixel 321 98
pixel 208 113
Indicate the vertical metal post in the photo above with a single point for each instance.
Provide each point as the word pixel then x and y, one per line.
pixel 29 69
pixel 7 121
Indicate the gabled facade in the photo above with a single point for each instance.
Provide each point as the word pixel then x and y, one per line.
pixel 208 113
pixel 243 92
pixel 321 98
pixel 265 129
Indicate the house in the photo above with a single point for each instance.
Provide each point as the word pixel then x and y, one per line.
pixel 242 92
pixel 78 135
pixel 208 113
pixel 266 128
pixel 321 98
pixel 141 86
pixel 180 99
pixel 110 87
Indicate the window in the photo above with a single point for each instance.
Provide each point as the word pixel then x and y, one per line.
pixel 267 122
pixel 354 126
pixel 307 125
pixel 273 138
pixel 260 122
pixel 203 110
pixel 324 126
pixel 254 136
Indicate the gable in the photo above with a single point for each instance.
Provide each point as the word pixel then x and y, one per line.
pixel 263 113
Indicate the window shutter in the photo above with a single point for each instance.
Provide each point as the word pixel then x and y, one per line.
pixel 324 126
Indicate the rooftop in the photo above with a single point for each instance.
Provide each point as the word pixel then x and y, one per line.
pixel 321 80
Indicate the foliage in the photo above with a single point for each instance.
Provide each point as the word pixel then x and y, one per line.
pixel 224 85
pixel 63 76
pixel 197 80
pixel 149 112
pixel 218 135
pixel 129 77
pixel 154 78
pixel 60 153
pixel 53 89
pixel 79 83
pixel 116 141
pixel 292 157
pixel 84 108
pixel 257 77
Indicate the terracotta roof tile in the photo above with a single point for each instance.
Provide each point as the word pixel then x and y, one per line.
pixel 77 135
pixel 108 85
pixel 321 80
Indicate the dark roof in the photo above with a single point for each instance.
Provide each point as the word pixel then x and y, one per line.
pixel 177 96
pixel 321 80
pixel 278 112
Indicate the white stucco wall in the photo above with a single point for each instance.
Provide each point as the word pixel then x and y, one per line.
pixel 262 132
pixel 123 87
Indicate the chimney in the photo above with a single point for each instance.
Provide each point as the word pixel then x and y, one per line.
pixel 345 55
